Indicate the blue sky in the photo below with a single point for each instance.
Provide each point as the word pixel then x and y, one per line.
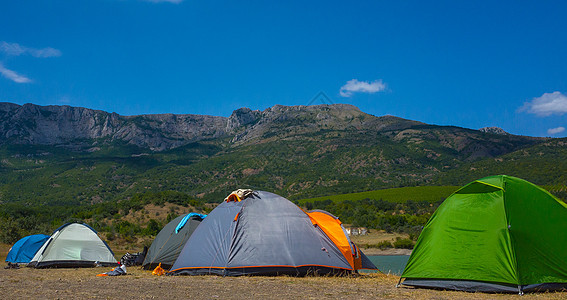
pixel 465 63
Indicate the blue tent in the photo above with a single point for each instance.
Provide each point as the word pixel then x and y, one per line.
pixel 24 249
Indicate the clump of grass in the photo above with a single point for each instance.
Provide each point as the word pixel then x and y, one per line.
pixel 403 243
pixel 383 245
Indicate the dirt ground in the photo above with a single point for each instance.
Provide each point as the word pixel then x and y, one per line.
pixel 31 283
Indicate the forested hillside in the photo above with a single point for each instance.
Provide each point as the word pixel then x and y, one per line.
pixel 67 161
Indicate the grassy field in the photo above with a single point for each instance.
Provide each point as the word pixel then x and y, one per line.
pixel 398 195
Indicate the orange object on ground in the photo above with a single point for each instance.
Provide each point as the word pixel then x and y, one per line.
pixel 158 270
pixel 105 274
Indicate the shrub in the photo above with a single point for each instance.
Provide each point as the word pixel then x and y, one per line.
pixel 153 228
pixel 110 236
pixel 403 243
pixel 10 231
pixel 383 245
pixel 170 217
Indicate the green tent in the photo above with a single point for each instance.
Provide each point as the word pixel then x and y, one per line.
pixel 496 234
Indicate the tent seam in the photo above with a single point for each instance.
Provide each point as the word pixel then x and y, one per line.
pixel 508 226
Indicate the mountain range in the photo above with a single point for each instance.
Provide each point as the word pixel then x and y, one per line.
pixel 66 155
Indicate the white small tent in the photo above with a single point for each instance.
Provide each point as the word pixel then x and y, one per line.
pixel 73 245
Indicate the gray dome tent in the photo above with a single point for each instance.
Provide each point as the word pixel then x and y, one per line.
pixel 73 245
pixel 260 233
pixel 170 240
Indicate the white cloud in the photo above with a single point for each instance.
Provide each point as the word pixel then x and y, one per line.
pixel 546 105
pixel 355 86
pixel 15 77
pixel 553 131
pixel 64 100
pixel 15 49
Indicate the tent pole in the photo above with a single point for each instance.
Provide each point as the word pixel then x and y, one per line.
pixel 399 281
pixel 520 290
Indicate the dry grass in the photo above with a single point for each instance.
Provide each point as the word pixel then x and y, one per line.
pixel 138 284
pixel 120 244
pixel 156 212
pixel 82 283
pixel 4 248
pixel 376 236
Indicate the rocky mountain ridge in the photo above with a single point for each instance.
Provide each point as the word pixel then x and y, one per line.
pixel 493 129
pixel 52 125
pixel 31 124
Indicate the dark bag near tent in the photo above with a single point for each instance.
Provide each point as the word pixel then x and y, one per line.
pixel 12 266
pixel 135 259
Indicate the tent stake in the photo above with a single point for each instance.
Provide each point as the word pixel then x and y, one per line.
pixel 520 290
pixel 399 281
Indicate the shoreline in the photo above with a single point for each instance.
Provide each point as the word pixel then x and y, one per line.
pixel 387 252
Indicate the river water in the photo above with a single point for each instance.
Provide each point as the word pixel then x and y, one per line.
pixel 393 264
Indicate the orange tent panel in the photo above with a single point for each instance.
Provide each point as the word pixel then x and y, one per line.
pixel 331 226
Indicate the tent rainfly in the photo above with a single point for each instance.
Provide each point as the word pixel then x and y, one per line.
pixel 496 234
pixel 170 240
pixel 260 233
pixel 73 245
pixel 23 250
